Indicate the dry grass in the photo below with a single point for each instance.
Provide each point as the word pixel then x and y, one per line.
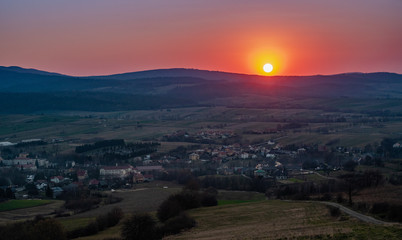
pixel 135 200
pixel 272 220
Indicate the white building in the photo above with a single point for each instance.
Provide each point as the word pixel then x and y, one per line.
pixel 109 172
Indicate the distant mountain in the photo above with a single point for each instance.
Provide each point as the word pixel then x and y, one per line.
pixel 179 72
pixel 179 87
pixel 28 70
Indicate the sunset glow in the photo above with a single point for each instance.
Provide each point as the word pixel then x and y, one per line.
pixel 268 68
pixel 98 37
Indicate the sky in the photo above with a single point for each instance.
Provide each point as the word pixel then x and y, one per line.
pixel 298 37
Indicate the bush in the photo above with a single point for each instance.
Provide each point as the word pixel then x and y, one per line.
pixel 114 216
pixel 38 229
pixel 176 224
pixel 101 223
pixel 379 208
pixel 139 226
pixel 395 213
pixel 208 200
pixel 326 197
pixel 339 198
pixel 334 211
pixel 177 203
pixel 168 209
pixel 82 204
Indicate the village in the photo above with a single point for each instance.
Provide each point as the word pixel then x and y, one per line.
pixel 268 160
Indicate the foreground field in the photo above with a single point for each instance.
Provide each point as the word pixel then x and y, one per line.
pixel 280 220
pixel 17 204
pixel 28 209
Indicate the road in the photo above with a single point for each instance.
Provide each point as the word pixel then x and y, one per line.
pixel 357 215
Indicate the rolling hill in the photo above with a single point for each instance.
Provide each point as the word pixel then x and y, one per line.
pixel 30 90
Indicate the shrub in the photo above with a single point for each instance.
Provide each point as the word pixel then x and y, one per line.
pixel 82 204
pixel 339 198
pixel 326 197
pixel 208 200
pixel 102 222
pixel 168 209
pixel 139 226
pixel 177 203
pixel 379 208
pixel 114 216
pixel 176 224
pixel 334 211
pixel 38 229
pixel 395 213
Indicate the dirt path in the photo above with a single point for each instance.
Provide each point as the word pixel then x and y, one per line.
pixel 29 213
pixel 357 215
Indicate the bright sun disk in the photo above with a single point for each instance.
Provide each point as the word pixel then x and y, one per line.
pixel 268 68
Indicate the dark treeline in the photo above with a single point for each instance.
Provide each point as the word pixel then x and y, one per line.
pixel 50 229
pixel 100 144
pixel 86 101
pixel 116 150
pixel 29 144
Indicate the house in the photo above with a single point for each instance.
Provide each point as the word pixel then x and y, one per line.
pixel 57 191
pixel 138 178
pixel 194 157
pixel 93 183
pixel 57 179
pixel 110 172
pixel 244 155
pixel 259 173
pixel 27 167
pixel 150 169
pixel 30 178
pixel 148 177
pixel 82 174
pixel 41 185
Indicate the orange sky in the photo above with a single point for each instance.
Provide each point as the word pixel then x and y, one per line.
pixel 96 37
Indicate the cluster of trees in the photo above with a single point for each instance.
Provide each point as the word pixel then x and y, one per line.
pixel 38 229
pixel 171 214
pixel 101 223
pixel 115 150
pixel 50 229
pixel 6 194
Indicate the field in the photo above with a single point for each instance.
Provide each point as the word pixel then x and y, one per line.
pixel 43 207
pixel 17 204
pixel 280 220
pixel 86 127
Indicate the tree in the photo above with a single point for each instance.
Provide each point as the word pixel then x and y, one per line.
pixel 9 193
pixel 350 165
pixel 31 189
pixel 139 226
pixel 49 192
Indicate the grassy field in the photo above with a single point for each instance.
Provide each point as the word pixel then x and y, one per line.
pixel 17 204
pixel 80 127
pixel 74 223
pixel 280 220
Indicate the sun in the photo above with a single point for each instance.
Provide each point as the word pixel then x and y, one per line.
pixel 268 68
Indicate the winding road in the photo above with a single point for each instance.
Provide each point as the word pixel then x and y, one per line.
pixel 357 215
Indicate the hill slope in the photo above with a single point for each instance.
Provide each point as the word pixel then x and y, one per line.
pixel 179 88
